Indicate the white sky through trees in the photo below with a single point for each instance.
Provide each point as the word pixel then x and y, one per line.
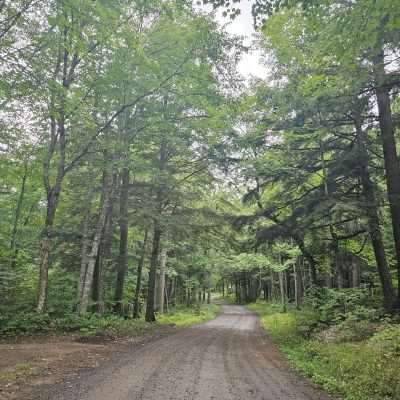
pixel 242 25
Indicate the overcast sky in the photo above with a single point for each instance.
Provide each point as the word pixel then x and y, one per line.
pixel 243 26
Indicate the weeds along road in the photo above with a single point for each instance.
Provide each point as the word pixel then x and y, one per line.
pixel 228 358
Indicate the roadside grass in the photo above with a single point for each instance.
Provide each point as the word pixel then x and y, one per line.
pixel 20 371
pixel 189 316
pixel 362 370
pixel 33 324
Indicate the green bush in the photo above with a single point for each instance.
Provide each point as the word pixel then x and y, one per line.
pixel 362 370
pixel 93 325
pixel 387 339
pixel 334 306
pixel 26 323
pixel 31 323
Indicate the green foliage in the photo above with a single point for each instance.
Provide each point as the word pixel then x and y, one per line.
pixel 345 368
pixel 183 316
pixel 334 306
pixel 20 371
pixel 25 324
pixel 387 339
pixel 93 325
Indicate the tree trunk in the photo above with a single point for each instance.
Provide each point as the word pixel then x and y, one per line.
pixel 88 280
pixel 57 144
pixel 355 272
pixel 296 286
pixel 339 269
pixel 123 242
pixel 97 281
pixel 104 256
pixel 237 291
pixel 371 210
pixel 166 293
pixel 282 290
pixel 163 261
pixel 308 256
pixel 136 305
pixel 271 277
pixel 389 153
pixel 85 243
pixel 150 316
pixel 45 246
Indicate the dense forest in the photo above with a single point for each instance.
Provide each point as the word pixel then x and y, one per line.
pixel 140 172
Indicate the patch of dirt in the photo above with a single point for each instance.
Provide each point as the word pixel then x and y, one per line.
pixel 29 365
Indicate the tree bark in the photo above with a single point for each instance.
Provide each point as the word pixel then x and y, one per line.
pixel 104 255
pixel 45 246
pixel 355 272
pixel 123 242
pixel 150 316
pixel 282 290
pixel 85 243
pixel 88 280
pixel 308 256
pixel 57 143
pixel 389 153
pixel 136 305
pixel 296 286
pixel 163 261
pixel 371 210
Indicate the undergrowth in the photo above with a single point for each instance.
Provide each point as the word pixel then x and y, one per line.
pixel 189 316
pixel 32 323
pixel 354 365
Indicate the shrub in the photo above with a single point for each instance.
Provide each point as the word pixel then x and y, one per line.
pixel 362 370
pixel 387 339
pixel 26 323
pixel 334 306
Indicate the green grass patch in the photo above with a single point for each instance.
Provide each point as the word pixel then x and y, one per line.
pixel 90 325
pixel 20 371
pixel 363 370
pixel 189 316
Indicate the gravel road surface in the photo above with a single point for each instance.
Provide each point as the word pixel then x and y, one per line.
pixel 228 358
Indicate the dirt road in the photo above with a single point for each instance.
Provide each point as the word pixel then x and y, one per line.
pixel 228 358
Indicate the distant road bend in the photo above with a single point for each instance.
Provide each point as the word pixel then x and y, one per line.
pixel 228 358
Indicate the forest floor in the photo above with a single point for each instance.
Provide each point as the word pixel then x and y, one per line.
pixel 227 358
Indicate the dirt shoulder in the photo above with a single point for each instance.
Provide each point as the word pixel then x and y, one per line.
pixel 29 366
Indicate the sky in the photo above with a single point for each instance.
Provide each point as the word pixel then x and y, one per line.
pixel 242 25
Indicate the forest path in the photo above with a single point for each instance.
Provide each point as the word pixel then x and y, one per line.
pixel 228 358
